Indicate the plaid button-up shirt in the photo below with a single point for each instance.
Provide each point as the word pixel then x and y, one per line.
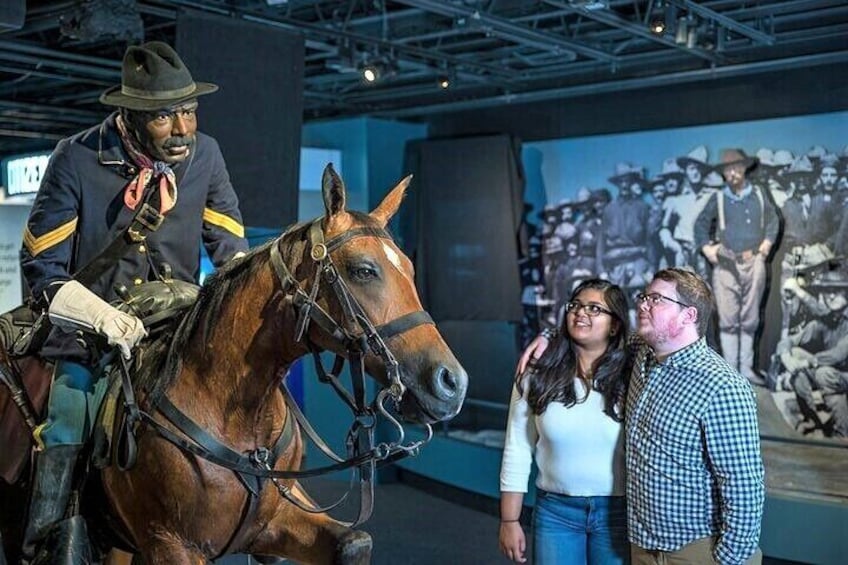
pixel 694 468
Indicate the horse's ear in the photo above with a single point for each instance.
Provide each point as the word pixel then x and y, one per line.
pixel 333 189
pixel 390 204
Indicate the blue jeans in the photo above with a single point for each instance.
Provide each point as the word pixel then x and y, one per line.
pixel 580 530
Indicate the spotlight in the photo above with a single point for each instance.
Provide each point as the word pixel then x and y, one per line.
pixel 371 72
pixel 658 17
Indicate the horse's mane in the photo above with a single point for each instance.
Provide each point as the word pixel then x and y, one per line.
pixel 167 349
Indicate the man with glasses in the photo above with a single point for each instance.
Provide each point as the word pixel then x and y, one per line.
pixel 695 481
pixel 147 155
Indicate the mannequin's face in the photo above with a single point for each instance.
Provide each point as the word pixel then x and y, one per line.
pixel 167 134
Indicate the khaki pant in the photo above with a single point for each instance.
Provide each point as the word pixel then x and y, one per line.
pixel 699 552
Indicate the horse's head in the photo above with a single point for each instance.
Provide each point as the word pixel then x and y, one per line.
pixel 380 279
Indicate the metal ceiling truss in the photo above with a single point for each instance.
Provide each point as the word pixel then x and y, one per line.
pixel 436 56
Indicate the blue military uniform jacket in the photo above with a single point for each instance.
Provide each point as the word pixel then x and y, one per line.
pixel 80 210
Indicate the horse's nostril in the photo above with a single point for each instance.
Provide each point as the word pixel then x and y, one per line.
pixel 446 383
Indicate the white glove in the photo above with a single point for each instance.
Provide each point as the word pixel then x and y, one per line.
pixel 75 307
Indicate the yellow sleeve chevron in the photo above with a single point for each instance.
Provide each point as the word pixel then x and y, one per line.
pixel 223 221
pixel 36 245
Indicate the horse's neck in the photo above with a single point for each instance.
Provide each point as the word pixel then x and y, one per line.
pixel 248 350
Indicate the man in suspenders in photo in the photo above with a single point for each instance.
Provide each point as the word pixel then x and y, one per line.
pixel 746 227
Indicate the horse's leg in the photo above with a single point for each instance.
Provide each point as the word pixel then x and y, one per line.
pixel 311 538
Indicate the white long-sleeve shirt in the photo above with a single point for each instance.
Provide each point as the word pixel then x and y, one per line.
pixel 579 451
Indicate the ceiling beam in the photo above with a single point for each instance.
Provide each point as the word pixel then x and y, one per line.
pixel 614 20
pixel 511 31
pixel 623 85
pixel 727 22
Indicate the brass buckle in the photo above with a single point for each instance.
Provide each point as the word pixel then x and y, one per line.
pixel 319 252
pixel 135 235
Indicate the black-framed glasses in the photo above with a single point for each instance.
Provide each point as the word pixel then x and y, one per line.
pixel 592 310
pixel 655 298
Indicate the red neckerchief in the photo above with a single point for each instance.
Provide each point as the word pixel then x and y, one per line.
pixel 148 171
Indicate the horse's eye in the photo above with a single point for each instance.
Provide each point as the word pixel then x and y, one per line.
pixel 362 273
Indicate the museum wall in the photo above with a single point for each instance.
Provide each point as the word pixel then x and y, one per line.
pixel 256 114
pixel 760 96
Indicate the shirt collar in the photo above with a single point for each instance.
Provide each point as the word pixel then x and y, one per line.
pixel 110 151
pixel 741 196
pixel 682 356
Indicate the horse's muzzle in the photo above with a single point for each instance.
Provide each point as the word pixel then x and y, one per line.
pixel 438 397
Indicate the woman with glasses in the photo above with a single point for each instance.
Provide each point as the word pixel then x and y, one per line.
pixel 566 412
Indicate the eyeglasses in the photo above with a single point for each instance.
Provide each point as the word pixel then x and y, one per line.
pixel 655 298
pixel 592 310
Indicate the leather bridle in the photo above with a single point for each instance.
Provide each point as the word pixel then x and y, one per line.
pixel 253 467
pixel 372 338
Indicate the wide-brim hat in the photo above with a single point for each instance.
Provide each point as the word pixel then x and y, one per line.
pixel 600 195
pixel 730 157
pixel 671 170
pixel 628 174
pixel 697 156
pixel 154 77
pixel 801 166
pixel 713 180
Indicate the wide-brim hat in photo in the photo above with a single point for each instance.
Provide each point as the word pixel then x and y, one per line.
pixel 601 195
pixel 697 156
pixel 670 169
pixel 627 174
pixel 801 166
pixel 154 77
pixel 713 180
pixel 730 157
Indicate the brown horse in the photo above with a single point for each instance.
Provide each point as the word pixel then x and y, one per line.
pixel 339 281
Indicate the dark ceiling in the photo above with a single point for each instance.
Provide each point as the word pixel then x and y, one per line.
pixel 53 68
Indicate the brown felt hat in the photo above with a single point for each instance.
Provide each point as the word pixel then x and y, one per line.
pixel 154 77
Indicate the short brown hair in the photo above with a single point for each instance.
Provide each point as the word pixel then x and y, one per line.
pixel 692 290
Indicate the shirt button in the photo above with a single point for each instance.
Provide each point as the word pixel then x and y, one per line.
pixel 137 281
pixel 142 248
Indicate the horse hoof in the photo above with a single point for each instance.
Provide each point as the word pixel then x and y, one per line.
pixel 354 548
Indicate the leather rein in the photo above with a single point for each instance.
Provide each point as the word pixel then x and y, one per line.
pixel 255 466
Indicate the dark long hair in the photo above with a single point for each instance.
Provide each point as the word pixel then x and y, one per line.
pixel 551 378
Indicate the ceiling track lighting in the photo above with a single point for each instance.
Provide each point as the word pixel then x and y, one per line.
pixel 660 13
pixel 371 72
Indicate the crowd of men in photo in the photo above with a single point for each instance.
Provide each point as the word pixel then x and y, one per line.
pixel 780 222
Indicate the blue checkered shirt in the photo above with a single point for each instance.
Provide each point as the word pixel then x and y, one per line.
pixel 694 468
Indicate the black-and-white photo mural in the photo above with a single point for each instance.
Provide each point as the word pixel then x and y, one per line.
pixel 772 242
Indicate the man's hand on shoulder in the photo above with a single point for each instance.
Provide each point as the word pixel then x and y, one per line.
pixel 533 351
